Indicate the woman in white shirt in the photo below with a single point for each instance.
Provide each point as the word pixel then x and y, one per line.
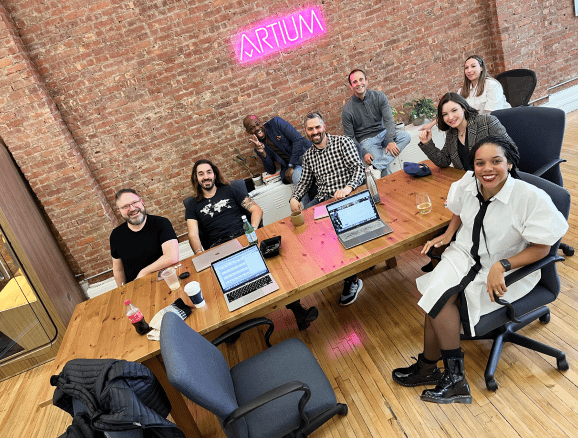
pixel 482 91
pixel 502 223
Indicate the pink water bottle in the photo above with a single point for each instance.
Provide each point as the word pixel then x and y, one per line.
pixel 136 318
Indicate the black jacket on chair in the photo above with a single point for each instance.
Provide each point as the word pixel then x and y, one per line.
pixel 118 395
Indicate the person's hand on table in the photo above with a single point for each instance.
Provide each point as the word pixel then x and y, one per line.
pixel 435 243
pixel 425 136
pixel 392 149
pixel 342 193
pixel 368 158
pixel 496 282
pixel 295 205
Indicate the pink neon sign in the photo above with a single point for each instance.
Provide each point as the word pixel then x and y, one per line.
pixel 275 34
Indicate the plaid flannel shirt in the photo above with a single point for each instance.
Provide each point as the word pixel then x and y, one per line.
pixel 333 167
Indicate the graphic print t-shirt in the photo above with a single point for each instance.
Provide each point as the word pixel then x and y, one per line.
pixel 220 216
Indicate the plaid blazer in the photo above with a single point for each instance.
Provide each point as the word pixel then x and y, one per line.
pixel 479 127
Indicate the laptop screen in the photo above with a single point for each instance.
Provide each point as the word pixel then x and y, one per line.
pixel 352 211
pixel 239 268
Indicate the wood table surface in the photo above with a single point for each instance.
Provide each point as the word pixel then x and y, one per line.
pixel 310 259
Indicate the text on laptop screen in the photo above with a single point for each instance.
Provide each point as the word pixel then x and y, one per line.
pixel 239 268
pixel 355 210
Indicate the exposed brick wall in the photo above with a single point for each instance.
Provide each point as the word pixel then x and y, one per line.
pixel 141 89
pixel 542 36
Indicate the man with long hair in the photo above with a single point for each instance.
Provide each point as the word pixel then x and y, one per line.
pixel 215 211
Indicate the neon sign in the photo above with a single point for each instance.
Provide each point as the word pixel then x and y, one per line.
pixel 275 34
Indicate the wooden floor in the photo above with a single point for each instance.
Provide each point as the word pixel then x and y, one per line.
pixel 359 345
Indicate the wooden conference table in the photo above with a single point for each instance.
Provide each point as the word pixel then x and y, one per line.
pixel 311 258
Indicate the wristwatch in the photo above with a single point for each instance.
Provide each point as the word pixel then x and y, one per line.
pixel 506 264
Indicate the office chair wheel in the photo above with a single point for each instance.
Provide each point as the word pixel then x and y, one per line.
pixel 562 364
pixel 545 318
pixel 567 249
pixel 344 409
pixel 491 384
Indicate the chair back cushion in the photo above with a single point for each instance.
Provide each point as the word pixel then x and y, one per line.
pixel 196 367
pixel 538 132
pixel 518 85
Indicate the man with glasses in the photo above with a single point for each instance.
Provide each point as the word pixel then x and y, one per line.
pixel 143 244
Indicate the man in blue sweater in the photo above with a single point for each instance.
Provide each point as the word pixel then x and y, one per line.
pixel 368 121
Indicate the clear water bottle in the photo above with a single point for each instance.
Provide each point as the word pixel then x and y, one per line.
pixel 249 231
pixel 136 318
pixel 371 186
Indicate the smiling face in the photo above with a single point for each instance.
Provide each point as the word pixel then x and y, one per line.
pixel 253 126
pixel 206 177
pixel 131 208
pixel 453 115
pixel 358 83
pixel 491 169
pixel 315 131
pixel 473 70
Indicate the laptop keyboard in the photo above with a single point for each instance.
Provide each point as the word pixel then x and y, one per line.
pixel 362 230
pixel 250 287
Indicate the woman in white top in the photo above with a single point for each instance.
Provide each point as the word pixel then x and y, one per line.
pixel 481 91
pixel 502 223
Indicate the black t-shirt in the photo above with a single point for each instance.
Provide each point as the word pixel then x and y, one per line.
pixel 138 249
pixel 219 217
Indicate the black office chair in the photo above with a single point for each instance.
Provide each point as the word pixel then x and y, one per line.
pixel 539 133
pixel 518 85
pixel 502 325
pixel 280 392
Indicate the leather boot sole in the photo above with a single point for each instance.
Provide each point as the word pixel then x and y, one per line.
pixel 466 399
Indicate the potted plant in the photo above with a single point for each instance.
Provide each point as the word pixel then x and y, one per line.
pixel 244 161
pixel 399 125
pixel 421 109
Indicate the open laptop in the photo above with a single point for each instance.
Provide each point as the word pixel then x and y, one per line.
pixel 204 260
pixel 244 277
pixel 355 220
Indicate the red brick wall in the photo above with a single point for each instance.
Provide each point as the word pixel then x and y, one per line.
pixel 134 92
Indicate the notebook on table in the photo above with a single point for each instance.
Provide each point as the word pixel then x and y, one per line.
pixel 204 260
pixel 244 277
pixel 356 220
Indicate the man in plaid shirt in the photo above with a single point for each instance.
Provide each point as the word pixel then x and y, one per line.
pixel 334 163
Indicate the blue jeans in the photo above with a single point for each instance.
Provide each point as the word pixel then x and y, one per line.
pixel 376 147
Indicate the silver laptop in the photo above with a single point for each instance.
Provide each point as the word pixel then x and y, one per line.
pixel 355 220
pixel 204 260
pixel 244 277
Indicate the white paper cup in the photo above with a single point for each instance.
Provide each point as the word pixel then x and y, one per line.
pixel 193 290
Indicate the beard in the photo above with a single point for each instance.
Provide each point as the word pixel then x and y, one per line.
pixel 210 182
pixel 139 219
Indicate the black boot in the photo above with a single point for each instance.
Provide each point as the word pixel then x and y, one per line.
pixel 453 387
pixel 303 316
pixel 420 373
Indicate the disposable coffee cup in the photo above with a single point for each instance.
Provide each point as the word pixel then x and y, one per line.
pixel 193 290
pixel 170 276
pixel 297 218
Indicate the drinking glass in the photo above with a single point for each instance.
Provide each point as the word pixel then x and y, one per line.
pixel 423 203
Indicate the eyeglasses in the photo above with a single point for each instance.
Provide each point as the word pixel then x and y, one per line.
pixel 132 204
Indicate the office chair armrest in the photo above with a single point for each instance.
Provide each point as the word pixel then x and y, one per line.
pixel 271 395
pixel 521 273
pixel 243 327
pixel 548 166
pixel 532 267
